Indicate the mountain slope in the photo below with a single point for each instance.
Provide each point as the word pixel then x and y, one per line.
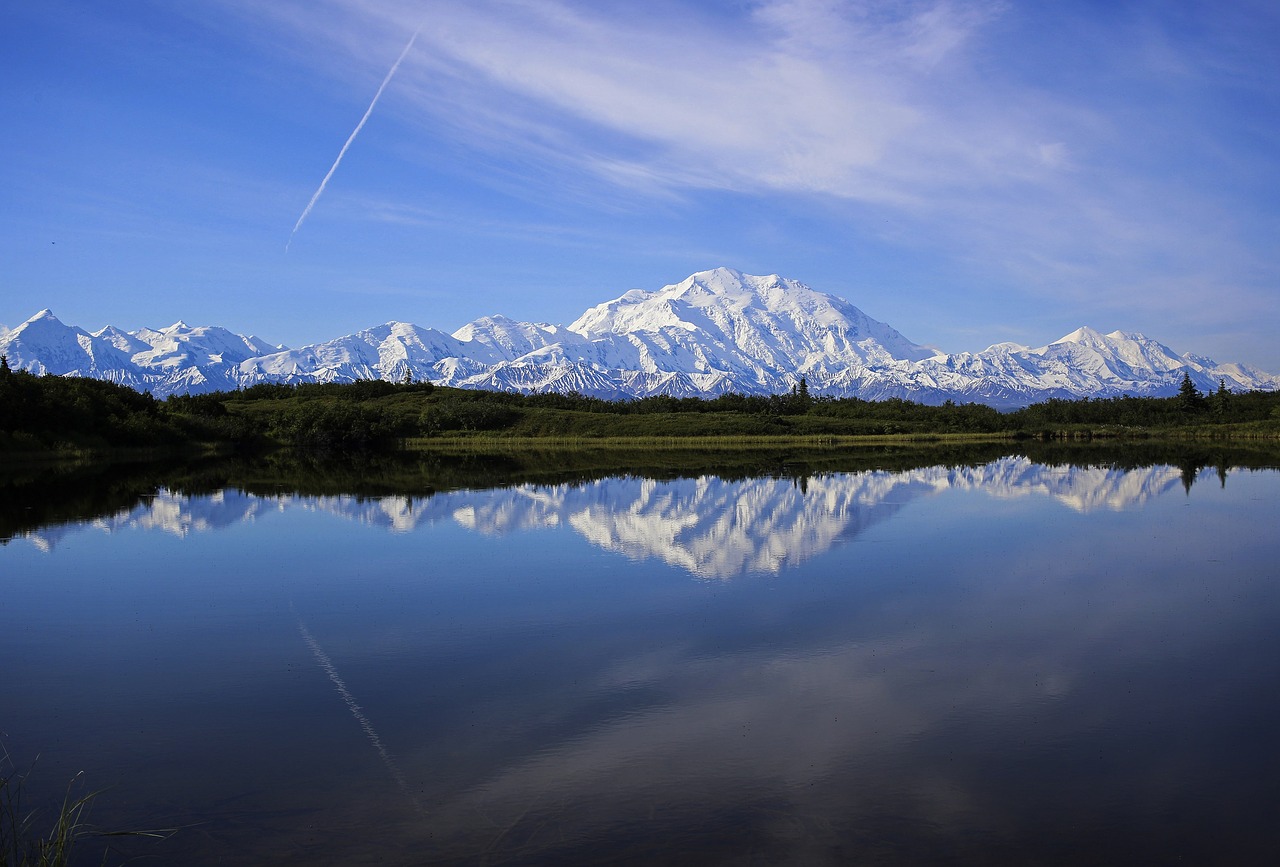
pixel 714 332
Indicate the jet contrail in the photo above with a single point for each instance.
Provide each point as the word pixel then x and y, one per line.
pixel 368 111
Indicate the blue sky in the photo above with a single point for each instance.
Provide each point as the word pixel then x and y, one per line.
pixel 969 172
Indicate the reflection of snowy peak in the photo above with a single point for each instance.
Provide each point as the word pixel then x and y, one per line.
pixel 1083 489
pixel 708 526
pixel 172 513
pixel 714 332
pixel 183 515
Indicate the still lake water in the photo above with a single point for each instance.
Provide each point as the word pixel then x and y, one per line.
pixel 1005 662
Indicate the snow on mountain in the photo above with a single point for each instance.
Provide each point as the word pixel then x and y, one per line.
pixel 44 345
pixel 511 339
pixel 716 331
pixel 771 319
pixel 181 345
pixel 764 332
pixel 384 352
pixel 1084 363
pixel 173 360
pixel 122 340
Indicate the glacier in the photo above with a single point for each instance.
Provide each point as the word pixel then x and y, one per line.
pixel 715 332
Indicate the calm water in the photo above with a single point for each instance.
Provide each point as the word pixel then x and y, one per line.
pixel 1000 663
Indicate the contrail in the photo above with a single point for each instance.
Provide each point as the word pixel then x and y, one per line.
pixel 327 665
pixel 368 111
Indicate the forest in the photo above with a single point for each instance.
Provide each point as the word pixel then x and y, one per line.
pixel 61 414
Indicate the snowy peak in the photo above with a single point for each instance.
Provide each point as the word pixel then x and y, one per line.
pixel 715 331
pixel 43 322
pixel 1114 342
pixel 121 340
pixel 45 315
pixel 720 289
pixel 510 339
pixel 43 344
pixel 765 323
pixel 1085 336
pixel 181 345
pixel 386 351
pixel 1119 355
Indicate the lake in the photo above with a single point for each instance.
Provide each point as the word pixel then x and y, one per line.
pixel 1000 660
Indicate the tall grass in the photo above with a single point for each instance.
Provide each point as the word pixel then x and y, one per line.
pixel 711 442
pixel 29 839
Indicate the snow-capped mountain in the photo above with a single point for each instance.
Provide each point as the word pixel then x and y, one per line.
pixel 716 331
pixel 174 360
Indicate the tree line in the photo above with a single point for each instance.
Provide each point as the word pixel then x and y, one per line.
pixel 57 413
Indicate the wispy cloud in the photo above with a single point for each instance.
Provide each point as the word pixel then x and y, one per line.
pixel 766 104
pixel 800 96
pixel 1034 147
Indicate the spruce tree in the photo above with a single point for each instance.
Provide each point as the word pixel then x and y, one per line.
pixel 1189 397
pixel 1220 399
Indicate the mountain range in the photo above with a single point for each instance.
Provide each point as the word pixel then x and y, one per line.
pixel 716 331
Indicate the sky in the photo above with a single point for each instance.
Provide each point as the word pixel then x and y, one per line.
pixel 969 172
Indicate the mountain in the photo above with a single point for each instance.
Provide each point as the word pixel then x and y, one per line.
pixel 716 331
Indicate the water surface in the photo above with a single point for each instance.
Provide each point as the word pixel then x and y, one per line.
pixel 1007 661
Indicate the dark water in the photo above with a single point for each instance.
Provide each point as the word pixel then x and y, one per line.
pixel 1007 662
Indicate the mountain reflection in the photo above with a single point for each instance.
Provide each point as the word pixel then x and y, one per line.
pixel 709 526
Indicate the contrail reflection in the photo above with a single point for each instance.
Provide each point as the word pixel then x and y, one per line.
pixel 327 665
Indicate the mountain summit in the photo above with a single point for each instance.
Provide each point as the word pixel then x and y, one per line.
pixel 771 322
pixel 716 331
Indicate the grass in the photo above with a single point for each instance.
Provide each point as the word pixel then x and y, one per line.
pixel 731 441
pixel 24 840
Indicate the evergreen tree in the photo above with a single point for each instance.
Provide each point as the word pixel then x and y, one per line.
pixel 1189 397
pixel 1220 399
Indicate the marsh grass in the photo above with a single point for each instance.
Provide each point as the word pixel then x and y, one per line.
pixel 29 839
pixel 711 443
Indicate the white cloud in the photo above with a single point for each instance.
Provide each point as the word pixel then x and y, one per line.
pixel 1058 174
pixel 802 97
